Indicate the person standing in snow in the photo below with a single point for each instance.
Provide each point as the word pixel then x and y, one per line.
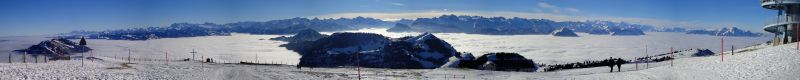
pixel 619 64
pixel 610 63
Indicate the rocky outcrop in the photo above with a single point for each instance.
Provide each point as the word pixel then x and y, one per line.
pixel 564 32
pixel 500 62
pixel 303 35
pixel 374 50
pixel 703 52
pixel 55 47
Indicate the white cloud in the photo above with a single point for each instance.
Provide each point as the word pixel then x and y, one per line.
pixel 398 4
pixel 392 16
pixel 572 10
pixel 546 5
pixel 554 8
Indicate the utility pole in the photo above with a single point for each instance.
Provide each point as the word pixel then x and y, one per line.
pixel 193 53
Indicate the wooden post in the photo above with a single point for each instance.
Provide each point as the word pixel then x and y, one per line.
pixel 722 48
pixel 91 53
pixel 358 64
pixel 82 57
pixel 36 59
pixel 9 57
pixel 129 55
pixel 24 56
pixel 193 53
pixel 256 57
pixel 166 57
pixel 646 57
pixel 672 54
pixel 732 50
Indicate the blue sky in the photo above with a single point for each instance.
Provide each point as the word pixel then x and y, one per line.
pixel 36 17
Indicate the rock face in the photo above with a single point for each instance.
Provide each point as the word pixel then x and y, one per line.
pixel 374 50
pixel 564 32
pixel 627 32
pixel 303 35
pixel 732 31
pixel 501 62
pixel 55 47
pixel 401 28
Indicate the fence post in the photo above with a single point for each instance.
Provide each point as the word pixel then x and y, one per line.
pixel 91 53
pixel 82 57
pixel 129 55
pixel 24 56
pixel 9 57
pixel 166 58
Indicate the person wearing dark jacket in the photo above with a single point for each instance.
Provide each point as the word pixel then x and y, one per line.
pixel 619 64
pixel 610 63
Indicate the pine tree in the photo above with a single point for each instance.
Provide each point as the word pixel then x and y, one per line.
pixel 82 42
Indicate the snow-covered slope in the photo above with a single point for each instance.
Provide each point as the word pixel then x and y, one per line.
pixel 752 63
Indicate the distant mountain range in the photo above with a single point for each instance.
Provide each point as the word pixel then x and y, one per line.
pixel 510 26
pixel 441 24
pixel 732 31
